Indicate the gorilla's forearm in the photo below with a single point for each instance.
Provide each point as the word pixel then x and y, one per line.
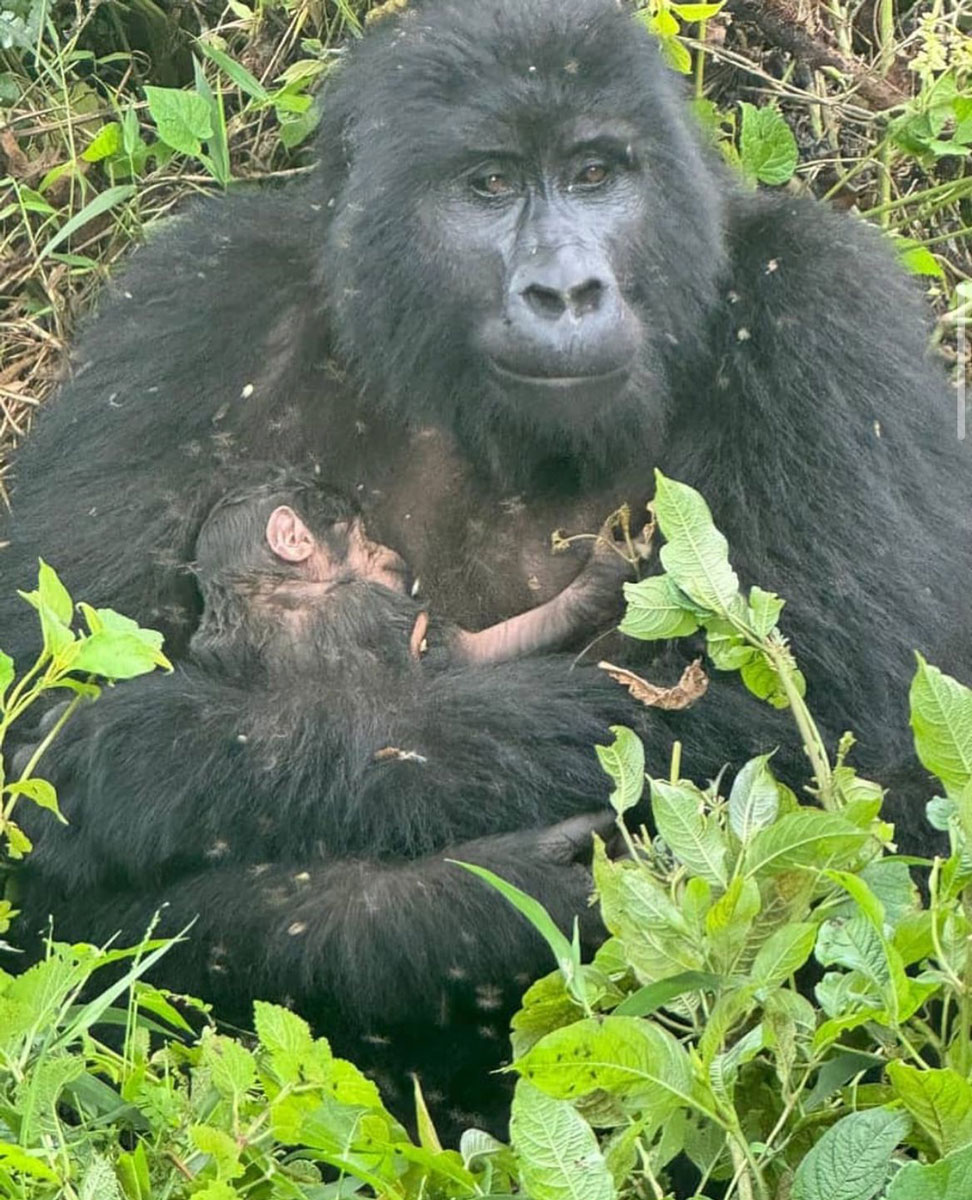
pixel 378 940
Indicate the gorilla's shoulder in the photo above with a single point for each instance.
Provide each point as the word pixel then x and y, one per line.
pixel 801 253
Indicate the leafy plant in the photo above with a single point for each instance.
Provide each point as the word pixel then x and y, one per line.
pixel 111 647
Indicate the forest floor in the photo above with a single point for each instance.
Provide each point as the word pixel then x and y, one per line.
pixel 878 95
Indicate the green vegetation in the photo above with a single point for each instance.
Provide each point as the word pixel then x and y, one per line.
pixel 692 1031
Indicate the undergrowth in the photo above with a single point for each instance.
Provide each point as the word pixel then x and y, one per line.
pixel 693 1035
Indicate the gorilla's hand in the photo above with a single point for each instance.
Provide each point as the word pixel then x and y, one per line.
pixel 551 864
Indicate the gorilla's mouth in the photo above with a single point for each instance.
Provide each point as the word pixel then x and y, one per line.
pixel 565 383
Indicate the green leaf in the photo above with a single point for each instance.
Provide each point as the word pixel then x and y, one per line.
pixel 39 790
pixel 106 142
pixel 232 1066
pixel 622 1055
pixel 767 147
pixel 652 996
pixel 281 1031
pixel 754 801
pixel 182 118
pixel 917 259
pixel 624 762
pixel 783 954
pixel 940 1100
pixel 220 1147
pixel 532 909
pixel 695 555
pixel 117 655
pixel 807 838
pixel 656 610
pixel 941 717
pixel 7 671
pixel 764 611
pixel 13 1158
pixel 948 1179
pixel 851 1161
pixel 698 12
pixel 694 838
pixel 53 594
pixel 557 1151
pixel 236 71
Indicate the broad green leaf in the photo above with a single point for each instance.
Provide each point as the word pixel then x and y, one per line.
pixel 783 954
pixel 182 118
pixel 624 762
pixel 940 1100
pixel 754 801
pixel 855 945
pixel 655 934
pixel 764 611
pixel 948 1179
pixel 869 905
pixel 232 1066
pixel 622 1055
pixel 106 142
pixel 917 259
pixel 557 1151
pixel 655 610
pixel 280 1030
pixel 117 655
pixel 852 1160
pixel 767 147
pixel 39 790
pixel 807 838
pixel 695 555
pixel 729 920
pixel 941 717
pixel 694 838
pixel 221 1148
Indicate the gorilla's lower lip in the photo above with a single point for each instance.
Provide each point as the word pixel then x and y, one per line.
pixel 562 382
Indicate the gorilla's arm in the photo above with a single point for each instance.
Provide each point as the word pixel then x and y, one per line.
pixel 825 443
pixel 378 942
pixel 194 359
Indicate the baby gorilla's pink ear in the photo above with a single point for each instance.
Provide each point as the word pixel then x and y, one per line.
pixel 288 537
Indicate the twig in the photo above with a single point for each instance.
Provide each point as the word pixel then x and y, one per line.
pixel 785 23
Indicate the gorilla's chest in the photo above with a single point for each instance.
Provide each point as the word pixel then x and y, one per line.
pixel 481 552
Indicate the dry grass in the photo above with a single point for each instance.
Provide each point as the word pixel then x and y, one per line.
pixel 87 71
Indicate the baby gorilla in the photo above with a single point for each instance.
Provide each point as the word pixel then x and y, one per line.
pixel 265 570
pixel 297 789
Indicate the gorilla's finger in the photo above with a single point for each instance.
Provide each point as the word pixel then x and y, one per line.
pixel 570 840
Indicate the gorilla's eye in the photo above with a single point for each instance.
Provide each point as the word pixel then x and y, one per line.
pixel 593 174
pixel 493 183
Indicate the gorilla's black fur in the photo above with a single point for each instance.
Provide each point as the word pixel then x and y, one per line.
pixel 515 284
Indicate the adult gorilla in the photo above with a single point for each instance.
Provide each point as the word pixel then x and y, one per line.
pixel 514 285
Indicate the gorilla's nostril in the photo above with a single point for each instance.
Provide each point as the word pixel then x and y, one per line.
pixel 586 298
pixel 545 301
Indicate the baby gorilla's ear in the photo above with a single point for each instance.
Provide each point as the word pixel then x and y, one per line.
pixel 288 537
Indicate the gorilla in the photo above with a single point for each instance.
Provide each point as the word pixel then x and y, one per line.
pixel 299 784
pixel 516 282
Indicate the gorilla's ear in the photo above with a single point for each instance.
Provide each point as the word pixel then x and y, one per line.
pixel 288 537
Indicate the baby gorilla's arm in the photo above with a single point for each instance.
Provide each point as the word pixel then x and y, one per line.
pixel 590 601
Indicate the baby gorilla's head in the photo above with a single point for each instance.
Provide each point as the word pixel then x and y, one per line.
pixel 290 577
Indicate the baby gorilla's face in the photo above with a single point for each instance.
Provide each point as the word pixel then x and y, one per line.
pixel 351 554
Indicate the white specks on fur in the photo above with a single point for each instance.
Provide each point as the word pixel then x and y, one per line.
pixel 297 928
pixel 247 391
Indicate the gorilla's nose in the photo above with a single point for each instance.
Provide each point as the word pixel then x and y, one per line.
pixel 550 301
